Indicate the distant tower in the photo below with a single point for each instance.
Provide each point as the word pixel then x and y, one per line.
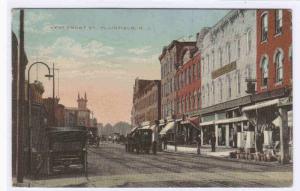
pixel 82 102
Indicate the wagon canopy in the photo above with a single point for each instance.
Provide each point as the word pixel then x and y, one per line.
pixel 67 134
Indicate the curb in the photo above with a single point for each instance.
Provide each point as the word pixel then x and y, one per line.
pixel 262 163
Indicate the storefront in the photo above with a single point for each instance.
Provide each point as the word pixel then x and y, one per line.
pixel 272 132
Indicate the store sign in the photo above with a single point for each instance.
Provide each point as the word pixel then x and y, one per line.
pixel 225 69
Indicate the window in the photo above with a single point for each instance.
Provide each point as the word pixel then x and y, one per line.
pixel 238 48
pixel 228 52
pixel 221 90
pixel 278 21
pixel 213 92
pixel 207 63
pixel 194 71
pixel 199 95
pixel 264 27
pixel 238 79
pixel 208 97
pixel 199 71
pixel 279 66
pixel 264 71
pixel 229 87
pixel 249 41
pixel 220 57
pixel 213 60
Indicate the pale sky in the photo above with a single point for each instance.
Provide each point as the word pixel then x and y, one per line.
pixel 96 56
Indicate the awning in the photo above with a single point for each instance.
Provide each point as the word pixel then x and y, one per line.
pixel 231 120
pixel 133 129
pixel 146 127
pixel 277 121
pixel 290 118
pixel 168 127
pixel 261 105
pixel 207 123
pixel 152 127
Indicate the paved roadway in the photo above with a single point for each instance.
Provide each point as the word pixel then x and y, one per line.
pixel 111 166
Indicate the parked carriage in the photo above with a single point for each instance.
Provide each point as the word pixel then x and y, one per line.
pixel 67 146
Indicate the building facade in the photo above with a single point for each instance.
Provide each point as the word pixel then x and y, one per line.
pixel 170 59
pixel 228 57
pixel 271 113
pixel 78 116
pixel 188 84
pixel 146 101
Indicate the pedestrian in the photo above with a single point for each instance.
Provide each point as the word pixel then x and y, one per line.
pixel 164 140
pixel 213 143
pixel 198 140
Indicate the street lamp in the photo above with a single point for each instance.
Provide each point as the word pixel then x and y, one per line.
pixel 29 105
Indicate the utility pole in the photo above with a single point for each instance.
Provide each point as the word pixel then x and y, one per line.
pixel 53 94
pixel 21 90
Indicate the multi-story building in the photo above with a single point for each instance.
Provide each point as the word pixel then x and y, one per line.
pixel 271 111
pixel 146 101
pixel 170 60
pixel 80 115
pixel 188 83
pixel 228 56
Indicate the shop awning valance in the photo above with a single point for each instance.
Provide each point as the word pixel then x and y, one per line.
pixel 168 127
pixel 146 127
pixel 261 105
pixel 207 123
pixel 231 120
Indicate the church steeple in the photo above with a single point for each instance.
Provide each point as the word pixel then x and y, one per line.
pixel 82 102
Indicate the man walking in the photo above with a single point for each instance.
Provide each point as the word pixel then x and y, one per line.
pixel 213 143
pixel 198 139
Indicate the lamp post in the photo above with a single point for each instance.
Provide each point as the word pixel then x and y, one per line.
pixel 29 106
pixel 175 124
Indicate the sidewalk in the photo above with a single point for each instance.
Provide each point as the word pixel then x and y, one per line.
pixel 222 153
pixel 205 150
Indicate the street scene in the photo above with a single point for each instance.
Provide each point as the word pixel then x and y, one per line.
pixel 152 98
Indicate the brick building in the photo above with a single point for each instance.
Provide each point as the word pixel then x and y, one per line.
pixel 146 101
pixel 188 84
pixel 170 59
pixel 274 49
pixel 271 112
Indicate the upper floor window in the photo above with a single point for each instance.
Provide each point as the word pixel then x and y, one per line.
pixel 249 41
pixel 229 86
pixel 199 70
pixel 264 27
pixel 278 21
pixel 238 47
pixel 264 71
pixel 279 66
pixel 221 90
pixel 221 57
pixel 238 79
pixel 228 52
pixel 207 63
pixel 213 60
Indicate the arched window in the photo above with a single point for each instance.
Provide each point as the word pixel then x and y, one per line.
pixel 278 21
pixel 279 66
pixel 208 96
pixel 264 71
pixel 264 27
pixel 213 92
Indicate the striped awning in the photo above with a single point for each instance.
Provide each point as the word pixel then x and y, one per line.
pixel 168 127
